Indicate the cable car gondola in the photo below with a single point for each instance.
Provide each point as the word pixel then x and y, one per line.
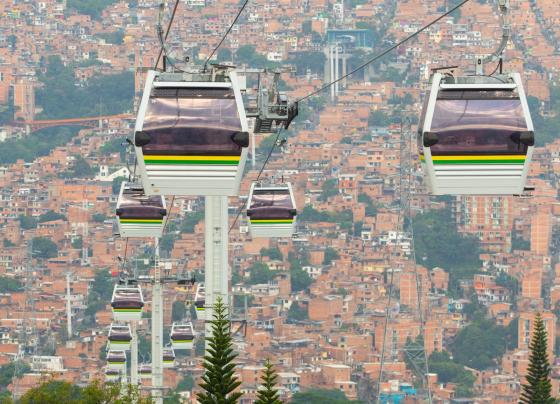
pixel 145 371
pixel 168 358
pixel 119 337
pixel 191 133
pixel 112 375
pixel 476 135
pixel 271 210
pixel 200 301
pixel 127 303
pixel 182 336
pixel 116 360
pixel 139 215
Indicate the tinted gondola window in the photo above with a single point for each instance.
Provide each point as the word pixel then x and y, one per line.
pixel 192 122
pixel 137 205
pixel 268 204
pixel 478 126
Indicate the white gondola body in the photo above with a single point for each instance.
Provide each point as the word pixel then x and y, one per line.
pixel 190 173
pixel 116 363
pixel 472 173
pixel 200 302
pixel 182 340
pixel 113 375
pixel 118 341
pixel 145 371
pixel 272 226
pixel 168 360
pixel 132 223
pixel 127 313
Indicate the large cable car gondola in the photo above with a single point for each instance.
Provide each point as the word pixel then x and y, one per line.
pixel 191 133
pixel 200 301
pixel 116 360
pixel 476 135
pixel 271 210
pixel 127 303
pixel 182 336
pixel 139 215
pixel 168 358
pixel 119 337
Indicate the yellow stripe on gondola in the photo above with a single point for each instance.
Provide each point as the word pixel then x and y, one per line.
pixel 228 158
pixel 484 157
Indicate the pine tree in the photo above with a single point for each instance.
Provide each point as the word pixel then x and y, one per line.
pixel 268 394
pixel 538 388
pixel 219 381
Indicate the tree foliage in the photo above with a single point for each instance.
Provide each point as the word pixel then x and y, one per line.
pixel 8 371
pixel 93 8
pixel 102 94
pixel 268 393
pixel 219 382
pixel 330 255
pixel 449 371
pixel 50 216
pixel 178 310
pixel 480 344
pixel 9 284
pixel 272 253
pixel 44 247
pixel 538 388
pixel 438 244
pixel 27 222
pixel 190 221
pixel 259 273
pixel 320 396
pixel 57 392
pixel 297 312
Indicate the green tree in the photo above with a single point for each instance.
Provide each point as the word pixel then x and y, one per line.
pixel 82 169
pixel 328 189
pixel 297 312
pixel 190 221
pixel 320 396
pixel 259 273
pixel 50 216
pixel 538 388
pixel 451 372
pixel 8 371
pixel 44 247
pixel 27 222
pixel 268 393
pixel 186 384
pixel 116 186
pixel 178 310
pixel 98 217
pixel 299 279
pixel 9 284
pixel 272 253
pixel 219 382
pixel 330 255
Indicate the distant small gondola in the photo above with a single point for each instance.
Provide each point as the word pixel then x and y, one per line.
pixel 112 375
pixel 182 335
pixel 168 358
pixel 191 134
pixel 271 210
pixel 139 215
pixel 476 135
pixel 145 371
pixel 200 301
pixel 127 303
pixel 119 337
pixel 116 360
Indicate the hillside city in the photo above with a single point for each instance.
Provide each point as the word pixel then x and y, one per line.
pixel 462 276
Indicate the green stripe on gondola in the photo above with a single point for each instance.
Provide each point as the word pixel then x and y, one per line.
pixel 141 221
pixel 193 162
pixel 187 160
pixel 128 310
pixel 477 161
pixel 282 221
pixel 119 342
pixel 181 341
pixel 200 309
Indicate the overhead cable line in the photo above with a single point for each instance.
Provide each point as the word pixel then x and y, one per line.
pixel 162 49
pixel 386 51
pixel 226 34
